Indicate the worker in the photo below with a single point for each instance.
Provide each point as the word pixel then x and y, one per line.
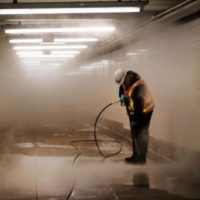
pixel 134 94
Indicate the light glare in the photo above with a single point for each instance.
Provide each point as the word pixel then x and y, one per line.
pixel 49 47
pixel 30 62
pixel 93 29
pixel 46 56
pixel 75 39
pixel 25 40
pixel 29 52
pixel 65 52
pixel 36 11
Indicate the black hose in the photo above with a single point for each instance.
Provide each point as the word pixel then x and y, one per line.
pixel 72 143
pixel 95 133
pixel 6 128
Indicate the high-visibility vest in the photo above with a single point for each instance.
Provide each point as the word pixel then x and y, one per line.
pixel 148 100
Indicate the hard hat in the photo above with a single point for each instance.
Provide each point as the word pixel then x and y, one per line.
pixel 119 76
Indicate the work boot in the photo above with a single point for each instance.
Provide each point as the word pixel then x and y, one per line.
pixel 142 161
pixel 131 159
pixel 135 160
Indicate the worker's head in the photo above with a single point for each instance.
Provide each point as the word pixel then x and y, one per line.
pixel 119 76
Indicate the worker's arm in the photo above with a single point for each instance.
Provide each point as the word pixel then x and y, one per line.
pixel 122 97
pixel 121 90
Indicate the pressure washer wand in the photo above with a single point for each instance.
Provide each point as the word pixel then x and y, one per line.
pixel 95 134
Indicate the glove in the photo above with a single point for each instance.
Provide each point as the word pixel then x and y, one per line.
pixel 133 124
pixel 122 97
pixel 123 100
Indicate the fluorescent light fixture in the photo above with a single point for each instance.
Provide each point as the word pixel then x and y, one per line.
pixel 47 56
pixel 94 29
pixel 65 52
pixel 39 41
pixel 132 54
pixel 36 11
pixel 54 43
pixel 54 64
pixel 24 62
pixel 49 47
pixel 26 40
pixel 137 53
pixel 29 52
pixel 75 39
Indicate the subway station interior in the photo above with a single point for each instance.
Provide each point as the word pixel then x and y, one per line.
pixel 65 133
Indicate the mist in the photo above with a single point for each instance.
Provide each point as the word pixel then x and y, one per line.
pixel 42 109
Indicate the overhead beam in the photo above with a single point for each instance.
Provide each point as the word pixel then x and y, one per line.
pixel 70 5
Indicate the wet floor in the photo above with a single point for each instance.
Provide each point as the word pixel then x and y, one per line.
pixel 45 162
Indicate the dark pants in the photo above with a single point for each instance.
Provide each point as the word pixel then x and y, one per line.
pixel 140 137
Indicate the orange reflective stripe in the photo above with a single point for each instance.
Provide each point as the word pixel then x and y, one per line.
pixel 148 105
pixel 129 92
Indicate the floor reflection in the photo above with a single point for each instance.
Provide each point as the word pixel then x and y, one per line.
pixel 141 179
pixel 42 159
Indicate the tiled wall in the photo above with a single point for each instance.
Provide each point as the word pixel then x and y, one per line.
pixel 167 57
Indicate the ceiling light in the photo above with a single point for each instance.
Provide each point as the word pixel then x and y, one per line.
pixel 94 29
pixel 75 39
pixel 30 62
pixel 49 47
pixel 39 40
pixel 65 52
pixel 25 40
pixel 29 52
pixel 132 54
pixel 56 40
pixel 36 11
pixel 46 56
pixel 44 59
pixel 54 64
pixel 50 43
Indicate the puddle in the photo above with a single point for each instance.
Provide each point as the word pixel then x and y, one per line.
pixel 31 145
pixel 58 134
pixel 53 146
pixel 24 145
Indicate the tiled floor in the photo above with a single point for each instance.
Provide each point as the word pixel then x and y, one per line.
pixel 39 163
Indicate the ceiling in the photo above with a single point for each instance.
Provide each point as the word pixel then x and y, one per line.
pixel 156 6
pixel 106 41
pixel 153 5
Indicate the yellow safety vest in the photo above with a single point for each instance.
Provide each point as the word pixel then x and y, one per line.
pixel 148 100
